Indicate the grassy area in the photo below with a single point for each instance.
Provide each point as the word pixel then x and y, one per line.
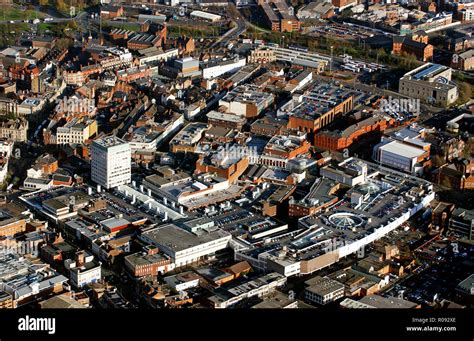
pixel 9 33
pixel 260 29
pixel 61 30
pixel 463 77
pixel 9 13
pixel 64 6
pixel 44 27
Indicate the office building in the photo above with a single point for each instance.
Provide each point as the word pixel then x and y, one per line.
pixel 83 270
pixel 110 162
pixel 323 290
pixel 430 83
pixel 462 223
pixel 185 247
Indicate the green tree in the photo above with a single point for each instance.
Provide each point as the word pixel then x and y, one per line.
pixel 465 92
pixel 446 182
pixel 64 43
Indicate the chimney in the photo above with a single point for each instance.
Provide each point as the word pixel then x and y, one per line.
pixel 80 259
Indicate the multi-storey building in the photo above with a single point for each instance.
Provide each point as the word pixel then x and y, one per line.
pixel 215 68
pixel 14 130
pixel 320 196
pixel 422 51
pixel 340 139
pixel 149 262
pixel 294 55
pixel 83 270
pixel 186 140
pixel 279 16
pixel 262 56
pixel 317 107
pixel 462 222
pixel 76 131
pixel 111 12
pixel 323 290
pixel 464 61
pixel 246 101
pixel 430 83
pixel 219 119
pixel 110 162
pixel 185 247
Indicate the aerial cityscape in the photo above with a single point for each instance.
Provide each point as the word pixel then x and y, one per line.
pixel 237 154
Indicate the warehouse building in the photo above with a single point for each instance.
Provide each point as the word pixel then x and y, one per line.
pixel 200 15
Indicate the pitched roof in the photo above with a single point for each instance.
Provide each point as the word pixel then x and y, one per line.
pixel 239 267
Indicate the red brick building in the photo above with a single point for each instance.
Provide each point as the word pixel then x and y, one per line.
pixel 338 140
pixel 420 36
pixel 148 262
pixel 320 196
pixel 111 12
pixel 132 74
pixel 420 50
pixel 464 61
pixel 344 3
pixel 459 175
pixel 142 41
pixel 231 173
pixel 279 17
pixel 313 123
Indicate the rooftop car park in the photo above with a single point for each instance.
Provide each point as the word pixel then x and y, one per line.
pixel 372 208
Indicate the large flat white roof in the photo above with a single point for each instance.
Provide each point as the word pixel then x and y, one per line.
pixel 205 15
pixel 225 117
pixel 402 149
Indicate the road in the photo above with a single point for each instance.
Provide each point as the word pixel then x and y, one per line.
pixel 53 20
pixel 231 34
pixel 240 27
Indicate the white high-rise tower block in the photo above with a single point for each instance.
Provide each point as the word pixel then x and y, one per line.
pixel 111 162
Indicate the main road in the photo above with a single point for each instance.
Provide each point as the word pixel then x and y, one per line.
pixel 52 19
